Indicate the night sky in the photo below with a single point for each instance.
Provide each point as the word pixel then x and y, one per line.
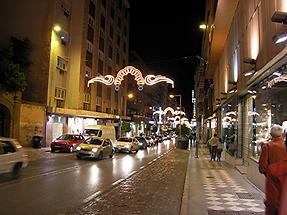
pixel 163 33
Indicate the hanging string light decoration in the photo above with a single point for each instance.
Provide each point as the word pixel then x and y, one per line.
pixel 148 80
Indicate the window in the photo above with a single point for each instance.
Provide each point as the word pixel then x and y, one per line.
pixel 88 72
pixel 112 13
pixel 61 63
pixel 90 34
pixel 102 44
pixel 110 52
pixel 125 47
pixel 99 93
pixel 89 47
pixel 104 3
pixel 98 108
pixel 119 22
pixel 60 95
pixel 87 101
pixel 110 70
pixel 100 67
pixel 126 13
pixel 91 22
pixel 65 9
pixel 92 9
pixel 120 4
pixel 103 22
pixel 89 59
pixel 125 31
pixel 118 59
pixel 111 32
pixel 118 40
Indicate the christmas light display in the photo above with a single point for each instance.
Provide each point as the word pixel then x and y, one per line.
pixel 148 80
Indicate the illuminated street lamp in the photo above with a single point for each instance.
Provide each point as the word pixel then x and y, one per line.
pixel 172 96
pixel 203 26
pixel 130 95
pixel 57 28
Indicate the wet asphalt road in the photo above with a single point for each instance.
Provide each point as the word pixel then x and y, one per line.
pixel 63 183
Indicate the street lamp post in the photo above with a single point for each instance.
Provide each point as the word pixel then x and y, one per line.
pixel 180 108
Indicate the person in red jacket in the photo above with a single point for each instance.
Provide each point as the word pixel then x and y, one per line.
pixel 272 162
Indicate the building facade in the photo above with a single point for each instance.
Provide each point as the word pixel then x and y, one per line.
pixel 247 69
pixel 72 41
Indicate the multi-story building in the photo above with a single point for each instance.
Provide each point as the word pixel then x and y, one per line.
pixel 247 56
pixel 72 41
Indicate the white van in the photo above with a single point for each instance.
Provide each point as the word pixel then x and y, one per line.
pixel 103 131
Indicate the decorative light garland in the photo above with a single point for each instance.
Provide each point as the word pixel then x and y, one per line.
pixel 148 80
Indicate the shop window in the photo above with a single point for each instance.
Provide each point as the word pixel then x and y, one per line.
pixel 230 128
pixel 269 107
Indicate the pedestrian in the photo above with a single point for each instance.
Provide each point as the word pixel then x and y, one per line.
pixel 214 143
pixel 219 149
pixel 271 162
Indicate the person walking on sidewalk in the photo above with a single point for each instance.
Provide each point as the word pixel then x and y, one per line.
pixel 214 143
pixel 219 149
pixel 273 153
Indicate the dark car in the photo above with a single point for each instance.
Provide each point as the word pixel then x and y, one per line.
pixel 142 142
pixel 67 142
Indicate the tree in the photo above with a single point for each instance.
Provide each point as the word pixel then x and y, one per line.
pixel 185 131
pixel 125 127
pixel 14 63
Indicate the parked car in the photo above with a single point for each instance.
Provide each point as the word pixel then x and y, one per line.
pixel 12 156
pixel 142 142
pixel 95 147
pixel 67 142
pixel 126 144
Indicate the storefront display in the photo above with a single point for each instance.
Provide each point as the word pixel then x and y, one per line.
pixel 269 108
pixel 229 127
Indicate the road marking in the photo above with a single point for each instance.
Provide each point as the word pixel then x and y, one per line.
pixel 129 175
pixel 142 167
pixel 149 163
pixel 155 159
pixel 92 196
pixel 118 181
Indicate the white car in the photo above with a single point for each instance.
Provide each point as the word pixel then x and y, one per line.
pixel 126 144
pixel 12 156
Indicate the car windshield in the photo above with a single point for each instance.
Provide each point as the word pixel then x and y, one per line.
pixel 94 141
pixel 125 139
pixel 91 132
pixel 65 137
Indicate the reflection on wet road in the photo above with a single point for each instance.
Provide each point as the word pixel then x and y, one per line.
pixel 66 182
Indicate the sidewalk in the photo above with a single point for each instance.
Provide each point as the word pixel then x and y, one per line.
pixel 215 188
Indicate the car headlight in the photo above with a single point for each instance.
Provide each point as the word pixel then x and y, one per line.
pixel 127 146
pixel 94 150
pixel 78 148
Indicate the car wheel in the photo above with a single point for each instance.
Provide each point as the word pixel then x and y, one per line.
pixel 137 151
pixel 16 170
pixel 71 149
pixel 79 157
pixel 111 155
pixel 52 150
pixel 101 156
